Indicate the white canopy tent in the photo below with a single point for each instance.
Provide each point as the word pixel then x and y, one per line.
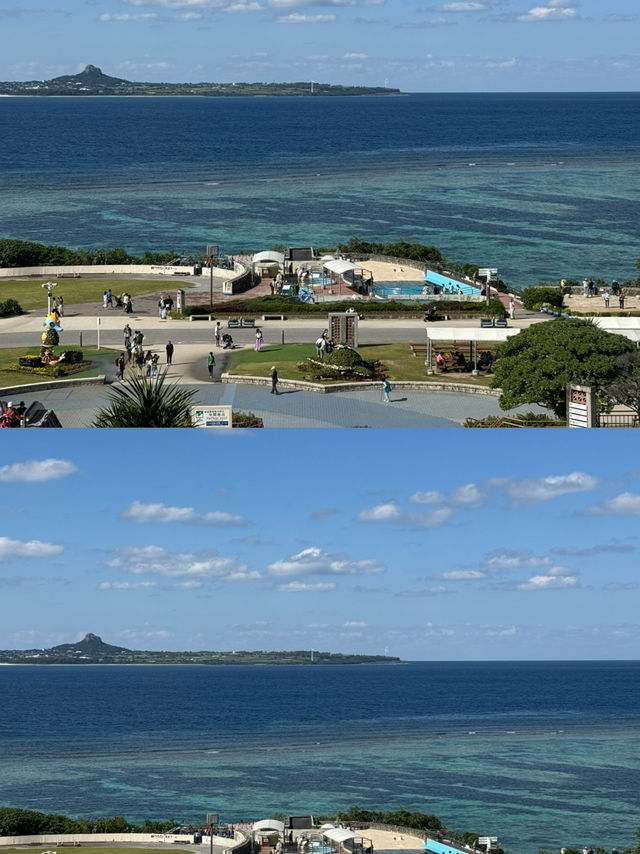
pixel 474 335
pixel 268 824
pixel 340 267
pixel 268 257
pixel 627 326
pixel 339 834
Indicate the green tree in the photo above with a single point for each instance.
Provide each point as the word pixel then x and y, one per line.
pixel 147 402
pixel 537 364
pixel 625 389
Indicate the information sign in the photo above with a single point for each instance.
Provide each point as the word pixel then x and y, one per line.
pixel 212 416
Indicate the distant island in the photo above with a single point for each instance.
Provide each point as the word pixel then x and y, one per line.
pixel 92 81
pixel 93 650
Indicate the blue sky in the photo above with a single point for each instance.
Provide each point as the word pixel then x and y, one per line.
pixel 426 45
pixel 429 544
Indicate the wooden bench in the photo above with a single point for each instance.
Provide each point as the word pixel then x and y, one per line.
pixel 419 349
pixel 201 317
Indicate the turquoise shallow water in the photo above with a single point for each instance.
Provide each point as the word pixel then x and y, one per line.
pixel 539 754
pixel 540 186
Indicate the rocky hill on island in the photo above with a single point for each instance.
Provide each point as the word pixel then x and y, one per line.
pixel 92 81
pixel 93 650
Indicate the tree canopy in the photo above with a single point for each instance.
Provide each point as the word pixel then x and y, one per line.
pixel 536 365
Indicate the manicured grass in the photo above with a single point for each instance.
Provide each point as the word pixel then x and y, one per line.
pixel 31 295
pixel 10 355
pixel 85 849
pixel 399 362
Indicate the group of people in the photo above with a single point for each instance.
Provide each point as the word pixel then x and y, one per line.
pixel 590 289
pixel 165 305
pixel 123 301
pixel 57 307
pixel 135 353
pixel 458 361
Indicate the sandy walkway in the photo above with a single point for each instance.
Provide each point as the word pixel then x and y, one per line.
pixel 386 840
pixel 384 272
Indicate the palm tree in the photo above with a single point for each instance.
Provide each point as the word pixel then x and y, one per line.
pixel 147 402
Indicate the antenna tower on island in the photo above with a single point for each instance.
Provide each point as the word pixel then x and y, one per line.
pixel 311 656
pixel 312 92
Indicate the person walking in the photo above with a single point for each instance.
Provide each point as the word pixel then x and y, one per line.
pixel 211 362
pixel 512 308
pixel 169 348
pixel 606 298
pixel 61 306
pixel 109 298
pixel 621 299
pixel 217 333
pixel 386 388
pixel 120 367
pixel 104 299
pixel 259 339
pixel 274 380
pixel 126 332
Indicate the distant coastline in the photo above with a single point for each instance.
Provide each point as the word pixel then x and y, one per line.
pixel 93 650
pixel 93 83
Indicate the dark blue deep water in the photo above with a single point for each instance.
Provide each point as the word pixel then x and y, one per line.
pixel 542 186
pixel 539 754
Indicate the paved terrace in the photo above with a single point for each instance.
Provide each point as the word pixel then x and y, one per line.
pixel 75 404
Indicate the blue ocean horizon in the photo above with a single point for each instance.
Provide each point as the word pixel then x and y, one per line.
pixel 540 754
pixel 543 186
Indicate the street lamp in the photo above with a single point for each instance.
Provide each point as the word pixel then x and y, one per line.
pixel 49 286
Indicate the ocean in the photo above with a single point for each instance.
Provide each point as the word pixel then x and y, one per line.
pixel 541 186
pixel 540 754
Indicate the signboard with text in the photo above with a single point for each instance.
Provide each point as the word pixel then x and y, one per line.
pixel 212 416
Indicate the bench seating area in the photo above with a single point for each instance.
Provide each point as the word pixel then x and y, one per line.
pixel 419 349
pixel 463 347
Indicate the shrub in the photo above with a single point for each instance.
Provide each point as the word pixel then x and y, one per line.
pixel 73 357
pixel 344 357
pixel 30 362
pixel 532 298
pixel 246 419
pixel 10 308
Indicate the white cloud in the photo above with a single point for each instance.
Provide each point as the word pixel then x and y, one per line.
pixel 139 512
pixel 355 56
pixel 461 7
pixel 354 624
pixel 387 512
pixel 553 486
pixel 314 561
pixel 301 587
pixel 625 504
pixel 502 633
pixel 467 496
pixel 300 4
pixel 154 560
pixel 554 10
pixel 297 18
pixel 34 470
pixel 463 575
pixel 515 560
pixel 33 548
pixel 434 519
pixel 126 585
pixel 431 497
pixel 126 18
pixel 557 578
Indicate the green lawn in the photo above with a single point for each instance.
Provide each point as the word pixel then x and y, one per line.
pixel 31 295
pixel 400 363
pixel 9 356
pixel 85 849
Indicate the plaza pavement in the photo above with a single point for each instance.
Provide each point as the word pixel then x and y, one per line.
pixel 75 405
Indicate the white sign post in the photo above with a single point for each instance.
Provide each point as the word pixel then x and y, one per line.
pixel 212 416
